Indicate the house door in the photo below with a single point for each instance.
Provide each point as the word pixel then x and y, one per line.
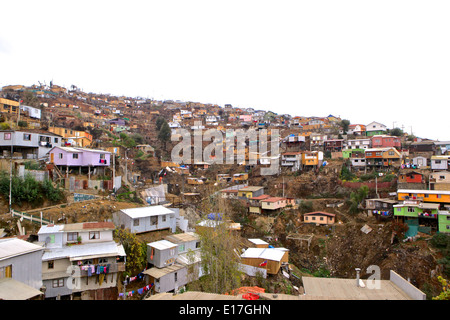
pixel 52 157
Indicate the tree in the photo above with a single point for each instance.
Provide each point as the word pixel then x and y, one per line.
pixel 164 133
pixel 357 197
pixel 396 132
pixel 136 250
pixel 345 124
pixel 445 294
pixel 219 258
pixel 159 122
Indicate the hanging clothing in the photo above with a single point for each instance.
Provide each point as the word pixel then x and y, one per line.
pixel 101 278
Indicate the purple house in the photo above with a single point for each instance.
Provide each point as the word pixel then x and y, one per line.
pixel 73 157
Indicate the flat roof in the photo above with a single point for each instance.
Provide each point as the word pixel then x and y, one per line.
pixel 335 288
pixel 81 226
pixel 258 241
pixel 162 244
pixel 182 237
pixel 249 188
pixel 274 254
pixel 85 251
pixel 148 211
pixel 422 191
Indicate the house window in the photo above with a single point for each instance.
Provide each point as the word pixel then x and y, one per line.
pixel 7 136
pixel 75 156
pixel 197 244
pixel 27 137
pixel 6 272
pixel 56 140
pixel 57 283
pixel 176 277
pixel 399 209
pixel 51 264
pixel 181 247
pixel 439 196
pixel 135 222
pixel 321 218
pixel 411 209
pixel 103 260
pixel 153 221
pixel 87 262
pixel 72 236
pixel 102 156
pixel 313 218
pixel 94 235
pixel 164 218
pixel 60 156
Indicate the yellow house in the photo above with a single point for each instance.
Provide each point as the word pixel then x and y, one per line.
pixel 80 138
pixel 250 192
pixel 9 106
pixel 310 159
pixel 240 177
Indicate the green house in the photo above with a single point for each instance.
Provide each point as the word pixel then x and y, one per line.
pixel 347 153
pixel 416 210
pixel 444 221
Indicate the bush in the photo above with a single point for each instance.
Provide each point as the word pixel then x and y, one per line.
pixel 28 189
pixel 440 241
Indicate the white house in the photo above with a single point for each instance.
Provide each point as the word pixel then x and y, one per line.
pixel 145 219
pixel 357 144
pixel 20 269
pixel 440 162
pixel 81 259
pixel 374 128
pixel 32 143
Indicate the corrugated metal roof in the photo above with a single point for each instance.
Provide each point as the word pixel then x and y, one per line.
pixel 160 272
pixel 257 241
pixel 162 244
pixel 11 289
pixel 13 247
pixel 142 212
pixel 85 251
pixel 275 254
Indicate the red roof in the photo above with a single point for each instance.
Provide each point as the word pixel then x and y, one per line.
pixel 274 199
pixel 261 197
pixel 98 225
pixel 320 213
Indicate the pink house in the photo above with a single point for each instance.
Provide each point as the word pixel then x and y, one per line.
pixel 385 141
pixel 79 157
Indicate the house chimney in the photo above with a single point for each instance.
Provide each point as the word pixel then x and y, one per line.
pixel 357 276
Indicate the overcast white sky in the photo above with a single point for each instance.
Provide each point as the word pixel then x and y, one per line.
pixel 385 61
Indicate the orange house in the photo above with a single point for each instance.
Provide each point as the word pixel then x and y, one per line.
pixel 435 196
pixel 319 217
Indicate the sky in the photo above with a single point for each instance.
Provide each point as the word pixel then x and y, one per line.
pixel 384 61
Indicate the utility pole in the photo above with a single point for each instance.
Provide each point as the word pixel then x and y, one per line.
pixel 126 167
pixel 10 173
pixel 114 170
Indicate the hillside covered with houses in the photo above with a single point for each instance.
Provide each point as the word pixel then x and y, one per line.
pixel 93 206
